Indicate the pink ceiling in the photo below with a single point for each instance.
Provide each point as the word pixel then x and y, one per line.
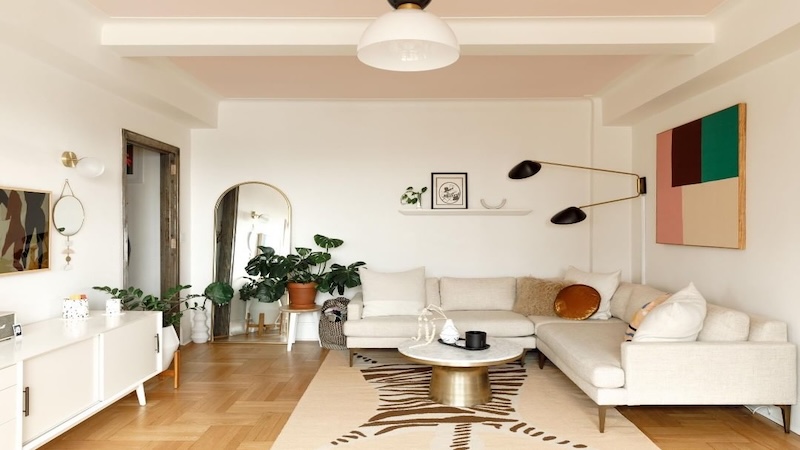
pixel 341 77
pixel 503 77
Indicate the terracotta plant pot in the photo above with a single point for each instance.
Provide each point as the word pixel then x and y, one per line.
pixel 302 295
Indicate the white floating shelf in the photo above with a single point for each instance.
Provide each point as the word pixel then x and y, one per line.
pixel 464 212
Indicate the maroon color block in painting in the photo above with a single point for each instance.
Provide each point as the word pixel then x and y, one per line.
pixel 686 154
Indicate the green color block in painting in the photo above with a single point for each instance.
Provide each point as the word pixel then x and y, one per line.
pixel 720 145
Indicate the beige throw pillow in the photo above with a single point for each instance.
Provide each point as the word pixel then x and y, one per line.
pixel 535 296
pixel 678 319
pixel 393 294
pixel 605 283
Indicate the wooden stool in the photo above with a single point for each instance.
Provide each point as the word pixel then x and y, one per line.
pixel 175 372
pixel 261 326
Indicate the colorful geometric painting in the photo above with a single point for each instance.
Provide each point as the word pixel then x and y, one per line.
pixel 700 181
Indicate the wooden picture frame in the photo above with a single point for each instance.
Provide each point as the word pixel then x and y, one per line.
pixel 448 190
pixel 700 181
pixel 25 218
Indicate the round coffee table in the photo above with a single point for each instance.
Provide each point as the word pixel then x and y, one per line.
pixel 461 377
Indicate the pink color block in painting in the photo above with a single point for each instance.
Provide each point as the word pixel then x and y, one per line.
pixel 669 202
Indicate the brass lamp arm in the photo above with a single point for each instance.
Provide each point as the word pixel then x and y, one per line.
pixel 588 168
pixel 610 201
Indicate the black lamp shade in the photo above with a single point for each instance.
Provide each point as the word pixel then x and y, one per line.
pixel 524 169
pixel 569 216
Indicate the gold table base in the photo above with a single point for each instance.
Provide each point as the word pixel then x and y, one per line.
pixel 460 386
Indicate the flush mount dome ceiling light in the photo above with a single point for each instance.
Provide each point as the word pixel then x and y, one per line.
pixel 408 39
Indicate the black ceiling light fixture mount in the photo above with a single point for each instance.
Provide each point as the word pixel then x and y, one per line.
pixel 574 214
pixel 408 39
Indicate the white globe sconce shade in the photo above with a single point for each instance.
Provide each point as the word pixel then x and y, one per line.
pixel 86 167
pixel 408 40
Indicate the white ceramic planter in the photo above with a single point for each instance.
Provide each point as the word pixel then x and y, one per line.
pixel 199 327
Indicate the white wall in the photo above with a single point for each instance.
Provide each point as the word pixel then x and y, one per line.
pixel 759 279
pixel 42 113
pixel 344 166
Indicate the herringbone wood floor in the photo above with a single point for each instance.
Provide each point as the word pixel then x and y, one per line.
pixel 239 396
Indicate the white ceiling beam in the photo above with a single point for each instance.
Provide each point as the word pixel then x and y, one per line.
pixel 337 37
pixel 749 35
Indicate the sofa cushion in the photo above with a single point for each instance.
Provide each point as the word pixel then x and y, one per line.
pixel 494 323
pixel 577 302
pixel 392 294
pixel 640 315
pixel 590 348
pixel 536 296
pixel 724 324
pixel 477 294
pixel 678 319
pixel 638 296
pixel 605 283
pixel 385 326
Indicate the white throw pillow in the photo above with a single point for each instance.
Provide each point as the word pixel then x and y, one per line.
pixel 393 294
pixel 679 319
pixel 605 284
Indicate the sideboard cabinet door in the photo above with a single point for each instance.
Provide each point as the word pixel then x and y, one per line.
pixel 130 355
pixel 60 384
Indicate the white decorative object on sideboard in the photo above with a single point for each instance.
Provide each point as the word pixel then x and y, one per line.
pixel 65 374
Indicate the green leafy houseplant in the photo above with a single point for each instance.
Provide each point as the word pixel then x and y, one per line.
pixel 269 274
pixel 412 197
pixel 133 299
pixel 218 292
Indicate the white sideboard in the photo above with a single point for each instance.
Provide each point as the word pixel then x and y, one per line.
pixel 61 372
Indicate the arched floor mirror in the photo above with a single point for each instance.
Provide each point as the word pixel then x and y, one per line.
pixel 246 216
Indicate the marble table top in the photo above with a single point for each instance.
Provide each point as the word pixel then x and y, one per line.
pixel 437 354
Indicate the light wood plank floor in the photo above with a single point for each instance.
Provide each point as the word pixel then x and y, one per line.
pixel 239 396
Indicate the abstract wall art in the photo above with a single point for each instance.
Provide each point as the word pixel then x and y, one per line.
pixel 24 230
pixel 700 181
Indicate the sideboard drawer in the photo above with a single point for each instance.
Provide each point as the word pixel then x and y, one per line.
pixel 8 433
pixel 8 400
pixel 8 377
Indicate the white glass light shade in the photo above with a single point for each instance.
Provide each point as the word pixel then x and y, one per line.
pixel 90 167
pixel 408 40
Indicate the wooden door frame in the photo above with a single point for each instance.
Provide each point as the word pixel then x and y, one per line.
pixel 170 207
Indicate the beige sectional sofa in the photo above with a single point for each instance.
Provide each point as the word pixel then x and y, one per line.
pixel 736 359
pixel 472 303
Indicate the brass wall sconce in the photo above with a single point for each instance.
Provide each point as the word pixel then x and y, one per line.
pixel 87 167
pixel 574 214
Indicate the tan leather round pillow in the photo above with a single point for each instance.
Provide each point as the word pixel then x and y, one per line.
pixel 577 302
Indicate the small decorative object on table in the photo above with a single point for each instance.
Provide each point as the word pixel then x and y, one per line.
pixel 75 307
pixel 113 307
pixel 426 325
pixel 412 197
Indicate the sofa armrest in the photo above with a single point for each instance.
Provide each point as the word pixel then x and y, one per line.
pixel 732 373
pixel 355 307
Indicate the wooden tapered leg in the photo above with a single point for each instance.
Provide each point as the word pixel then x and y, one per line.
pixel 786 414
pixel 176 378
pixel 260 330
pixel 352 354
pixel 522 358
pixel 542 360
pixel 601 415
pixel 175 372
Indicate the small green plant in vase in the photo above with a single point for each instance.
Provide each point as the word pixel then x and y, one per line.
pixel 412 197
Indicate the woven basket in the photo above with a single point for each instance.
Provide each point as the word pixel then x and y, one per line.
pixel 331 326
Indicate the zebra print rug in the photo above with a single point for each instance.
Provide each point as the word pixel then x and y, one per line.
pixel 381 403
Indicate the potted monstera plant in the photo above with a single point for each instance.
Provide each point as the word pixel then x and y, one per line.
pixel 302 274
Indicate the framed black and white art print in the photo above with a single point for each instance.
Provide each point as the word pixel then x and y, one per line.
pixel 449 190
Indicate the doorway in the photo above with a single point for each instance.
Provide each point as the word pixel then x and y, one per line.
pixel 150 218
